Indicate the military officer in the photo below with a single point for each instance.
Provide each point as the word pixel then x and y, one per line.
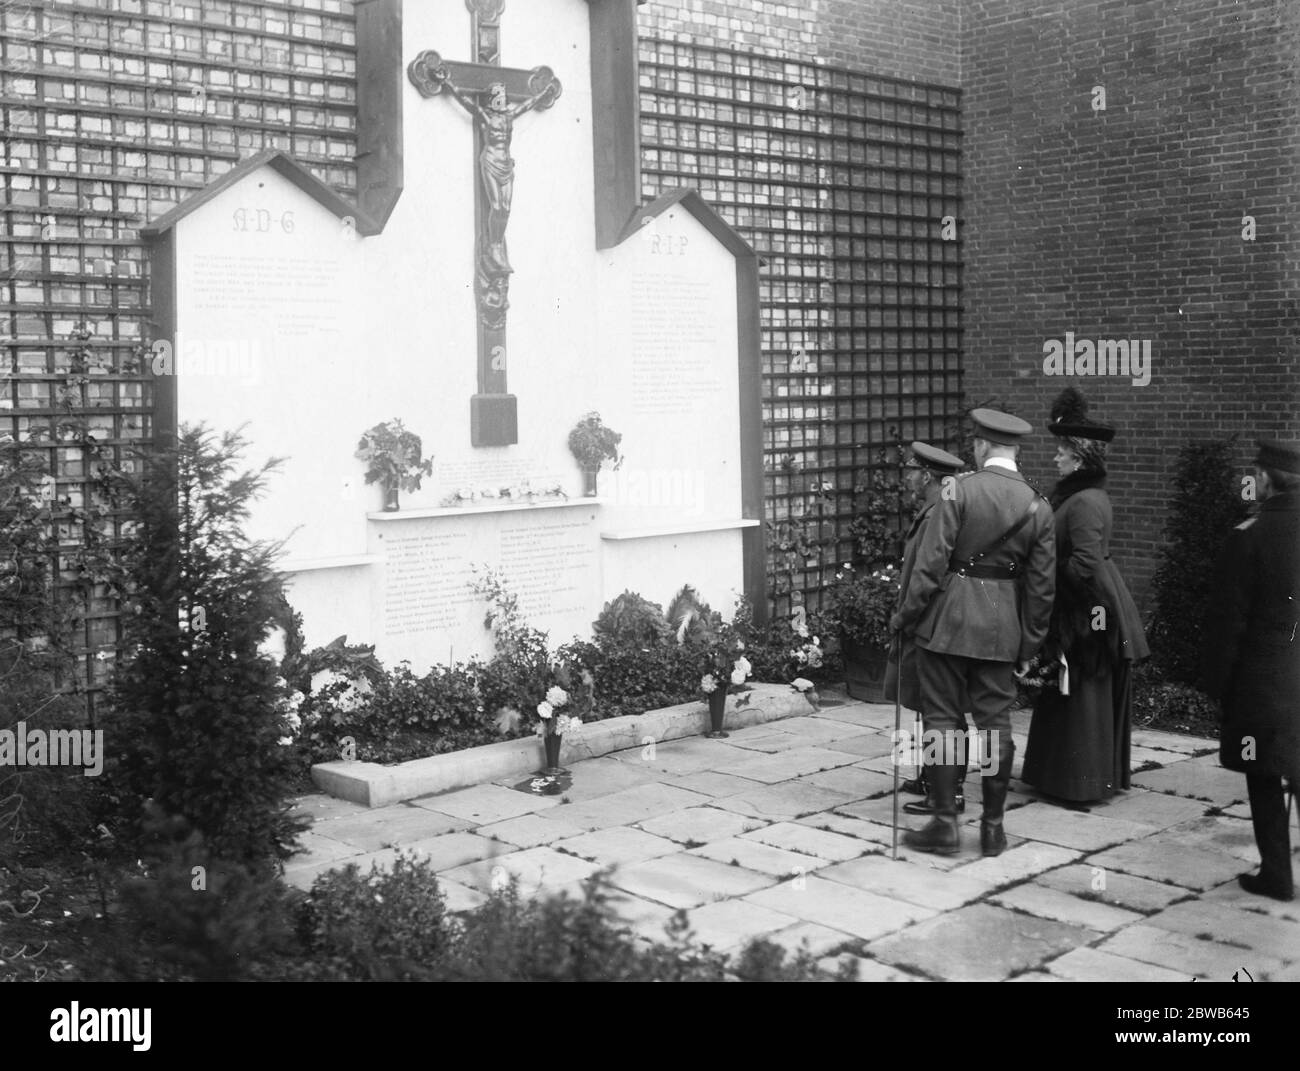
pixel 1251 660
pixel 923 476
pixel 978 604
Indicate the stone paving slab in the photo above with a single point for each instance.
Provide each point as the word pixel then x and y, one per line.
pixel 793 837
pixel 1016 864
pixel 786 801
pixel 1276 938
pixel 979 943
pixel 1233 836
pixel 537 869
pixel 1051 903
pixel 713 784
pixel 318 849
pixel 1161 741
pixel 1197 780
pixel 870 970
pixel 456 849
pixel 617 846
pixel 322 808
pixel 784 765
pixel 1075 829
pixel 1091 965
pixel 1152 808
pixel 1189 956
pixel 645 918
pixel 762 858
pixel 692 755
pixel 700 825
pixel 868 746
pixel 302 877
pixel 458 897
pixel 732 924
pixel 867 715
pixel 840 907
pixel 1232 893
pixel 684 880
pixel 384 827
pixel 817 731
pixel 904 880
pixel 854 782
pixel 608 774
pixel 818 940
pixel 484 804
pixel 872 834
pixel 528 831
pixel 1170 861
pixel 627 807
pixel 1106 886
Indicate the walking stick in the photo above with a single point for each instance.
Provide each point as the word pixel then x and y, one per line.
pixel 898 718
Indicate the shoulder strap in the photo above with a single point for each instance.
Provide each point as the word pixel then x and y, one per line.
pixel 1024 519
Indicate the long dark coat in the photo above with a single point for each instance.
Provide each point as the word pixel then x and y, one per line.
pixel 901 680
pixel 1251 661
pixel 1079 745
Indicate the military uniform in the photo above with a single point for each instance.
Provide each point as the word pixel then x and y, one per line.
pixel 978 600
pixel 1251 664
pixel 901 679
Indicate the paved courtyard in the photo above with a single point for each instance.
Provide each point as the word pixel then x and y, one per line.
pixel 783 831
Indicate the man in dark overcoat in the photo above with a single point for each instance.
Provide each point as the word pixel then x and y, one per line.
pixel 978 604
pixel 924 477
pixel 1251 662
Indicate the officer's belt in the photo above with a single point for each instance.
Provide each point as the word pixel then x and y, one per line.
pixel 982 572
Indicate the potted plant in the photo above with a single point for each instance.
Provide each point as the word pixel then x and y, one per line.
pixel 392 457
pixel 726 670
pixel 592 444
pixel 862 601
pixel 561 712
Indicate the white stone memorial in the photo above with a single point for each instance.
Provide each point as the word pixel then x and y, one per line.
pixel 287 310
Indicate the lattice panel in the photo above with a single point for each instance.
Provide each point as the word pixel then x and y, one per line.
pixel 110 113
pixel 841 182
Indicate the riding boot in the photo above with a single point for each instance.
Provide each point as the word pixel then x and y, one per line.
pixel 927 805
pixel 993 839
pixel 941 836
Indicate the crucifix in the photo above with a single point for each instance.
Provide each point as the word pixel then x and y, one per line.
pixel 494 96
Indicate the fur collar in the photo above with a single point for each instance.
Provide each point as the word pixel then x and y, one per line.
pixel 1074 483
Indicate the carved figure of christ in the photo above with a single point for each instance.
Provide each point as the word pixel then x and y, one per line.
pixel 494 97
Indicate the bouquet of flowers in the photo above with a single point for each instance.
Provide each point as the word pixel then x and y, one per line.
pixel 567 701
pixel 862 603
pixel 725 664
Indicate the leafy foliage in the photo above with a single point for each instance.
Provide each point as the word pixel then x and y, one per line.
pixel 628 620
pixel 592 443
pixel 393 456
pixel 1205 507
pixel 199 716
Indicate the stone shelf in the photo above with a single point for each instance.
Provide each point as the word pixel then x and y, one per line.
pixel 679 529
pixel 345 561
pixel 385 517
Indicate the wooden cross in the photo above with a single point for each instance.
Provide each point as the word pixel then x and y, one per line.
pixel 494 96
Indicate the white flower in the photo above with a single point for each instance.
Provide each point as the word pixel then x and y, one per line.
pixel 737 676
pixel 285 741
pixel 545 710
pixel 293 720
pixel 573 725
pixel 801 684
pixel 801 630
pixel 708 684
pixel 557 697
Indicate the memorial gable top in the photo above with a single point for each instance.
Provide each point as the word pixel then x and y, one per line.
pixel 282 164
pixel 690 200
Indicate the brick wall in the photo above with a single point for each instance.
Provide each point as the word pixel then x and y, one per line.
pixel 1127 223
pixel 916 40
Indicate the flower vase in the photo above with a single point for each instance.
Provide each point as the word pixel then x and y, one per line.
pixel 864 670
pixel 390 496
pixel 589 482
pixel 551 742
pixel 717 711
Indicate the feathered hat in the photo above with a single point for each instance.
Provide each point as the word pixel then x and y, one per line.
pixel 1070 419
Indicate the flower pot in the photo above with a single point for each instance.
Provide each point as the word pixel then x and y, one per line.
pixel 717 711
pixel 864 670
pixel 551 742
pixel 390 497
pixel 589 482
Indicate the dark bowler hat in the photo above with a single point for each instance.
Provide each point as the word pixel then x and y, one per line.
pixel 999 427
pixel 1070 419
pixel 936 460
pixel 1277 455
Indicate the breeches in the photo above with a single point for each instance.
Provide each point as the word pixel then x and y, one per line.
pixel 953 684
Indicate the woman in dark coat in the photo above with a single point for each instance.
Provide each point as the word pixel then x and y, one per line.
pixel 1079 742
pixel 1251 662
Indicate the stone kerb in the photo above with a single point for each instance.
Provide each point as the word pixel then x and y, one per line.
pixel 373 785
